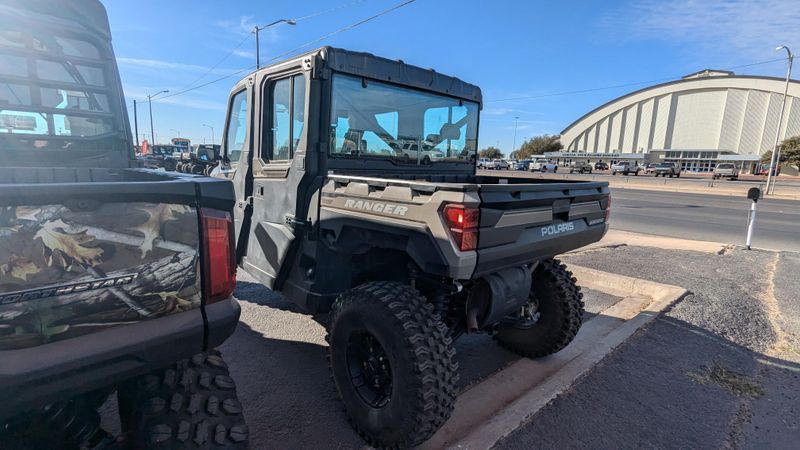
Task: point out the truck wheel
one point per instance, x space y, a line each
393 363
191 404
552 317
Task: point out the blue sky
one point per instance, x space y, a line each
525 55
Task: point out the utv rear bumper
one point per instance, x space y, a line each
33 377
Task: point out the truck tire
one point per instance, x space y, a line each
559 303
189 405
412 386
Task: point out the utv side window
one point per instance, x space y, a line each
237 126
287 117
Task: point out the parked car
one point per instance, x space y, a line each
543 165
116 281
600 165
650 168
406 262
726 170
668 168
521 165
486 164
580 167
625 168
411 152
500 164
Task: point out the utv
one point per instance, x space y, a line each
407 254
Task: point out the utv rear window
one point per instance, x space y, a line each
375 119
52 84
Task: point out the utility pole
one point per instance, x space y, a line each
150 102
776 151
256 29
212 133
136 124
514 147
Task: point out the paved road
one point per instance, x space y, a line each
706 217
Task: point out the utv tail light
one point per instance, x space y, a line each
219 266
608 208
463 225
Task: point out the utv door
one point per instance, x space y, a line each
237 148
278 173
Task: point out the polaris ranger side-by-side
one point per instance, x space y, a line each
407 254
113 278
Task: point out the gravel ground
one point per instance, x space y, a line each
725 288
702 375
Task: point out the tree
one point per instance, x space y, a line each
491 153
538 145
790 152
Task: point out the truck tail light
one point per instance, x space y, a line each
608 208
219 267
463 225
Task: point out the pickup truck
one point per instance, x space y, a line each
670 169
625 168
543 165
404 256
726 170
487 164
580 167
114 279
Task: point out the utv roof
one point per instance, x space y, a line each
394 71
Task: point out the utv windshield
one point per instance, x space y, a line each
380 120
54 82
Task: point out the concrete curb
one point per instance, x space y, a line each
495 407
616 238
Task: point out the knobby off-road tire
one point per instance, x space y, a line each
190 405
406 344
560 304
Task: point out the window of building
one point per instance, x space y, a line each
288 99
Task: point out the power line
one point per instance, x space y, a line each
340 30
335 8
224 58
248 35
616 86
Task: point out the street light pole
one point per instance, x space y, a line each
776 150
212 133
136 124
150 103
514 147
256 29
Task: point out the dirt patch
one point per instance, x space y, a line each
733 382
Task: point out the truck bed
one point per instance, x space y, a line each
520 221
83 250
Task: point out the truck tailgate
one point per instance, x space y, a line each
524 222
82 256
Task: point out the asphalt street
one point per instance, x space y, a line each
716 218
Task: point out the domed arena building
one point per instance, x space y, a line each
701 120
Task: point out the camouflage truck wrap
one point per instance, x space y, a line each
66 272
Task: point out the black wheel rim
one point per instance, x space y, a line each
370 371
528 316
